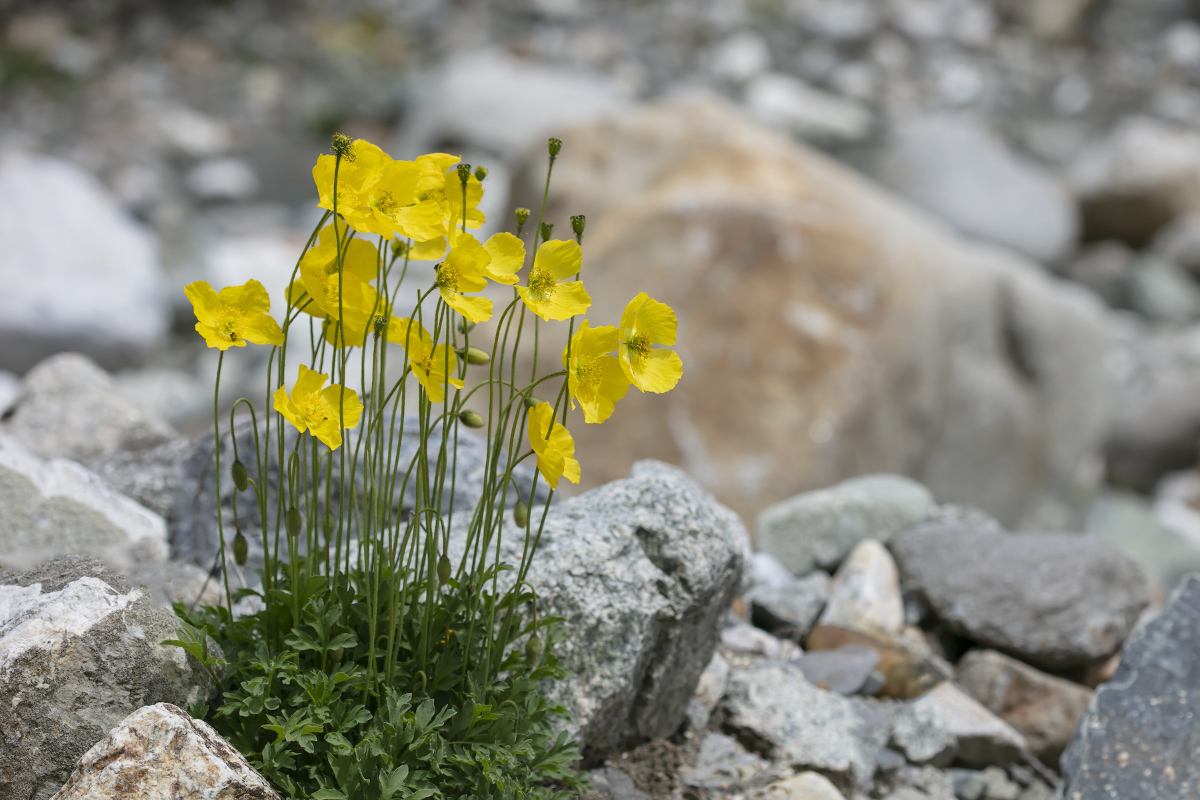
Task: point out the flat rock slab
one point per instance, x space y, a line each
947 725
1140 737
159 751
1055 600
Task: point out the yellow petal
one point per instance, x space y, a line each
658 372
562 258
431 250
658 320
308 383
204 300
261 329
214 338
249 298
567 300
476 309
508 256
420 222
284 405
351 406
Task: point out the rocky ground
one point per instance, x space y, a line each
937 269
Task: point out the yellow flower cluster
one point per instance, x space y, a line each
431 201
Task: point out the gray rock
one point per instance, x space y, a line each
162 751
921 783
612 782
643 571
790 610
1128 522
805 786
222 178
1179 242
79 652
1163 292
1055 600
92 285
709 691
789 103
865 593
941 162
947 725
1139 737
723 764
969 784
770 707
1044 709
747 639
69 408
1105 268
768 572
845 670
819 529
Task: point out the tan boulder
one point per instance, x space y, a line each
827 329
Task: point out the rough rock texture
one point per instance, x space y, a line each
1044 709
69 408
79 652
158 752
894 346
643 570
908 666
92 285
709 691
820 528
1140 737
941 162
56 507
1055 600
947 725
773 710
805 786
865 594
789 610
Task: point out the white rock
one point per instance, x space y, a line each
769 572
84 276
740 57
805 786
979 737
790 103
193 133
744 638
222 179
165 753
865 595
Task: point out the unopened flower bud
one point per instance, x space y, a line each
465 326
294 523
464 173
240 479
481 173
329 525
547 229
521 514
578 223
471 419
522 216
555 147
380 325
533 650
399 248
240 549
474 355
343 146
530 401
443 570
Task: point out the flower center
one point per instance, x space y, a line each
447 277
588 370
314 412
386 204
230 322
436 195
541 285
639 344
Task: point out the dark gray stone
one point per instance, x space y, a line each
1140 737
791 609
1055 600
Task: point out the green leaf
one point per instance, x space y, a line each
391 782
329 794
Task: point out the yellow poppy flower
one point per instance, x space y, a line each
319 274
237 315
430 364
547 295
312 409
507 254
595 378
644 323
393 199
358 322
555 451
463 271
353 178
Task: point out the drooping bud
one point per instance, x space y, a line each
294 523
329 525
578 223
530 401
471 419
399 248
240 479
547 229
465 326
443 570
474 355
555 147
481 173
521 514
533 650
464 173
343 146
240 549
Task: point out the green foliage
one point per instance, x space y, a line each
301 701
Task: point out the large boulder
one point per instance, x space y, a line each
79 651
827 329
1139 736
85 277
643 571
162 751
1055 600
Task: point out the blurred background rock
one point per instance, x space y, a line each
953 239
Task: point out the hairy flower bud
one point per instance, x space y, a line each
294 523
554 146
522 216
465 326
240 549
399 248
530 401
578 223
471 418
481 173
443 570
521 514
474 355
464 173
343 146
533 650
547 229
380 325
240 479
